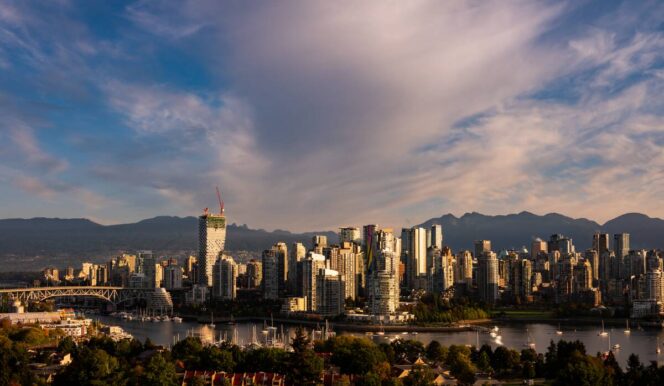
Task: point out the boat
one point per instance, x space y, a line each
211 325
616 346
627 329
493 334
495 329
529 343
176 319
603 333
657 349
231 322
559 331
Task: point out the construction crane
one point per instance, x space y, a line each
221 203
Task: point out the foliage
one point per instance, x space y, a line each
431 309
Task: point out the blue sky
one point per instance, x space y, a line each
313 115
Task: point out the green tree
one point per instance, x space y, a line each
67 345
635 370
305 366
214 358
436 352
484 362
581 370
159 372
355 355
419 376
189 352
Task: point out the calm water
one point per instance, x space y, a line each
514 336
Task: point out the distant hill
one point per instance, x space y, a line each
38 242
516 230
82 237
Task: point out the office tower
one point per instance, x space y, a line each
621 245
350 234
442 270
310 267
436 236
297 253
538 246
487 277
383 283
281 251
601 243
329 292
520 281
254 274
481 246
224 282
172 277
102 274
417 255
148 267
635 262
464 268
606 264
211 243
270 274
653 261
654 285
319 241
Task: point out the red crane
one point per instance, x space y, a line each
221 202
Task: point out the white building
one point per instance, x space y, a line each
211 243
224 282
329 293
310 267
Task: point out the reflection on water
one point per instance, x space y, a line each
516 336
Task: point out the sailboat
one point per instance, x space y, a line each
211 325
657 349
559 331
603 333
231 322
627 329
529 343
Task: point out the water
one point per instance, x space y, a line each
514 336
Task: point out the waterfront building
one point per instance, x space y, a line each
654 285
270 275
347 267
487 277
211 243
224 282
310 267
621 245
329 293
350 234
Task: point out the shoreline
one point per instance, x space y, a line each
461 326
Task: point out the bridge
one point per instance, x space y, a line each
113 295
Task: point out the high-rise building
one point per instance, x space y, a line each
254 274
310 267
464 268
224 282
538 246
481 246
297 253
593 258
329 292
347 268
487 277
211 244
436 236
654 285
601 243
417 258
172 277
319 241
282 265
350 234
621 245
270 274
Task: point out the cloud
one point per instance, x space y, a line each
319 114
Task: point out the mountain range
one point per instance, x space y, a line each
60 240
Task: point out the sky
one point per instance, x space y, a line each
311 115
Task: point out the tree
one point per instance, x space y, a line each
188 351
419 376
484 363
159 372
635 370
305 366
67 345
436 352
581 370
214 358
355 355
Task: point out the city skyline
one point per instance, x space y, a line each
313 116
